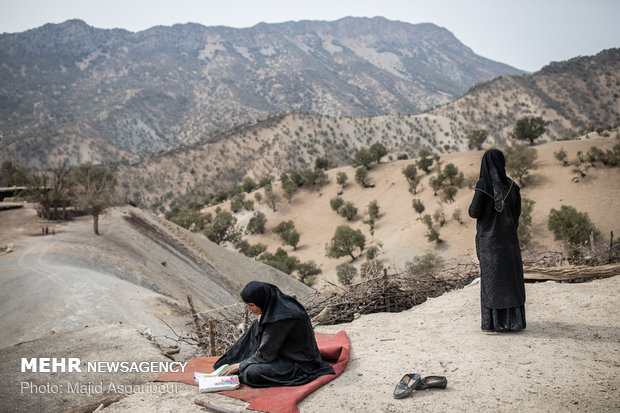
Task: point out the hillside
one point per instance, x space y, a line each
138 272
73 92
400 233
575 96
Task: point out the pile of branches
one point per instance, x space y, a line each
388 293
213 331
591 254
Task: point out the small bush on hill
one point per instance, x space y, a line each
428 264
345 273
570 225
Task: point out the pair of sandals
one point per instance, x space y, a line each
413 381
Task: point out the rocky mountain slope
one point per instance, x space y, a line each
575 96
71 91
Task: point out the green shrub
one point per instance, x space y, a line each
307 272
348 211
345 273
428 264
336 203
256 224
570 225
525 221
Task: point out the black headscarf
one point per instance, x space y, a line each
276 305
493 180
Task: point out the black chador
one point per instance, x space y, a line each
279 349
496 206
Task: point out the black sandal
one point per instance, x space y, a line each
433 382
407 385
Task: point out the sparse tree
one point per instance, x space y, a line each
378 151
570 225
94 189
224 229
410 171
561 156
363 157
307 272
373 215
256 224
424 162
283 227
187 218
450 171
449 193
595 154
530 128
336 203
255 250
372 252
411 174
323 163
525 221
291 238
428 264
341 179
361 175
418 205
288 190
280 260
52 190
476 138
345 273
433 236
520 161
456 215
439 216
271 197
236 203
428 220
436 183
348 211
13 174
248 184
373 209
346 241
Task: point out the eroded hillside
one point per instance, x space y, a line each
401 234
575 96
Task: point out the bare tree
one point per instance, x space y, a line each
94 189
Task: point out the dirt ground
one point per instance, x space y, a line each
567 360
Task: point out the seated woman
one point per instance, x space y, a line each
279 349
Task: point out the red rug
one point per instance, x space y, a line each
334 348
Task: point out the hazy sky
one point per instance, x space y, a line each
526 34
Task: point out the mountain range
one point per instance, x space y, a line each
575 96
72 92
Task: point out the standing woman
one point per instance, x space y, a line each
279 349
497 206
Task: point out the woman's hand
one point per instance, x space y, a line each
232 369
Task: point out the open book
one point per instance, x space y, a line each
209 382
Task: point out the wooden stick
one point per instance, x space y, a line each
211 338
577 272
199 330
215 408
